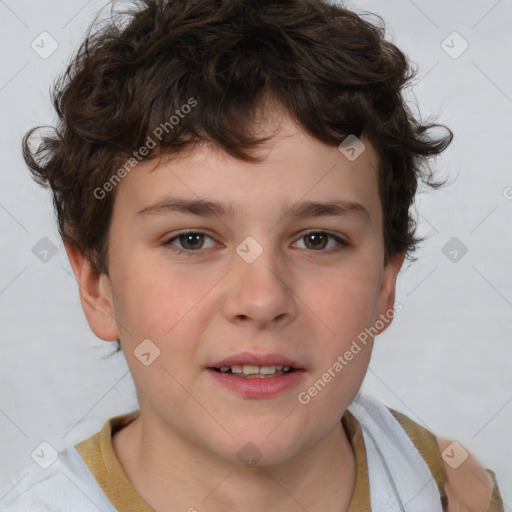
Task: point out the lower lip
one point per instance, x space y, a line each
258 387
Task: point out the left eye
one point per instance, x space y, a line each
318 239
193 241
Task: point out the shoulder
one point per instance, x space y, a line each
463 483
66 484
426 444
28 488
24 503
469 485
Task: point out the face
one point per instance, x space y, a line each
265 278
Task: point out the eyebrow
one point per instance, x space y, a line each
303 209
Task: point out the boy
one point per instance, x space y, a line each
232 182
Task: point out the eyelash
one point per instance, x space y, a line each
168 243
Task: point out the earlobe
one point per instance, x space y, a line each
95 295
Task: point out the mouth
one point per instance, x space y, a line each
256 366
251 375
249 371
251 381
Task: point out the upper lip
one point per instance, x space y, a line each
272 359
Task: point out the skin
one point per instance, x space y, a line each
308 304
469 486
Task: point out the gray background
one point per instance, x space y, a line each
446 359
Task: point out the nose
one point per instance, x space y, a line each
260 292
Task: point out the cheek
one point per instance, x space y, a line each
348 306
157 303
348 299
163 309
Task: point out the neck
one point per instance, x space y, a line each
167 475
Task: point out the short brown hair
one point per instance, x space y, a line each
332 71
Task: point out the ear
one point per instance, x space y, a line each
387 292
95 295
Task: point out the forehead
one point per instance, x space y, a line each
294 166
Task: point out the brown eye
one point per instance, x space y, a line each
319 240
316 240
191 241
188 242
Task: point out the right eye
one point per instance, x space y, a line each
190 241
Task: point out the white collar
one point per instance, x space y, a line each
399 477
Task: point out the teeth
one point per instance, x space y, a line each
249 369
267 370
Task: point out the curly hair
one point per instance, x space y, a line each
332 71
